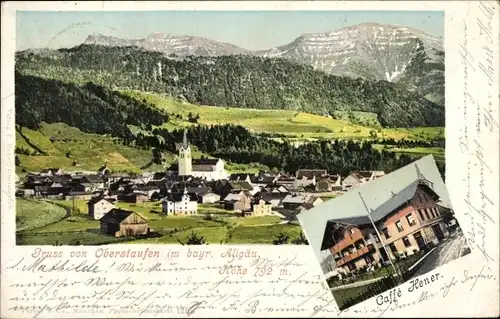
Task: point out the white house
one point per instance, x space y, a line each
209 198
98 207
180 204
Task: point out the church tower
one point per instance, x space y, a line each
185 161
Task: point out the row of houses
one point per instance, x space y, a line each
53 181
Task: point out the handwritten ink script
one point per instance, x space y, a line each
190 282
479 128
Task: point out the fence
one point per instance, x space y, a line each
369 291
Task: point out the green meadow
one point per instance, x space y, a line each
54 227
298 124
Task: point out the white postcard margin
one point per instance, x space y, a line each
282 281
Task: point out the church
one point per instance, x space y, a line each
207 168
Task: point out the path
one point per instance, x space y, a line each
449 249
356 284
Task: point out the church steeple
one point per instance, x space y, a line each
185 140
185 165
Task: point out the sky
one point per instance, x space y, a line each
253 30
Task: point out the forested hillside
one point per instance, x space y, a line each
233 81
236 144
91 108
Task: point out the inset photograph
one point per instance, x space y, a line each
385 232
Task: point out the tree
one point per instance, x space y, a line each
194 239
17 161
281 239
301 240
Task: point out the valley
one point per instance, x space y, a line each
186 136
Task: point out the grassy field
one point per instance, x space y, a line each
90 151
437 152
225 227
303 125
36 213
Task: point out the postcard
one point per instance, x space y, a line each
249 159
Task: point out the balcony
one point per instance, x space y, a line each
348 240
356 254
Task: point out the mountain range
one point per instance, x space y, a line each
372 51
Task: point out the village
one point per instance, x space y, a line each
190 188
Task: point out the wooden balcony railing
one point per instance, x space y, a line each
358 253
346 242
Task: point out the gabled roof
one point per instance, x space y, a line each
177 197
117 215
365 174
173 167
199 190
206 161
94 178
239 177
296 199
135 194
256 201
310 173
241 185
203 168
263 178
378 196
159 175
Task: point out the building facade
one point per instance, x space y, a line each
98 207
180 204
206 168
119 223
414 225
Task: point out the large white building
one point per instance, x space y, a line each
207 168
180 204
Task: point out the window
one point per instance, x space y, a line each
393 248
420 214
399 226
377 239
427 214
430 212
351 230
410 220
386 233
406 241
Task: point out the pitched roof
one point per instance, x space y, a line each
296 199
203 168
377 194
94 178
265 178
242 185
241 177
177 197
117 215
205 161
173 167
159 175
199 190
365 174
310 173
